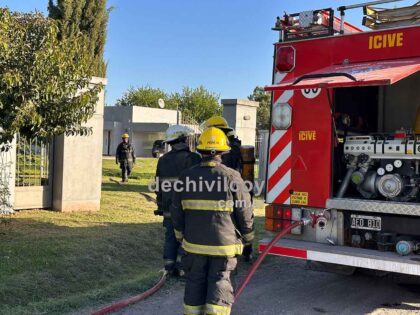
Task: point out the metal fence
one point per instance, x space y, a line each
32 162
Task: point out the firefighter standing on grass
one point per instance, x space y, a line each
126 157
168 169
213 223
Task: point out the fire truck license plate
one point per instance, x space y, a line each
365 222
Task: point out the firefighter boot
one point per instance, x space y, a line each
247 252
169 266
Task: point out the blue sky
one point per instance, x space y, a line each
224 45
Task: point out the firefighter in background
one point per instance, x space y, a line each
126 157
213 223
231 159
169 166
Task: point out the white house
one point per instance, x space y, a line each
143 124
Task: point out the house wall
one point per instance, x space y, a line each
143 124
78 165
143 142
154 115
242 116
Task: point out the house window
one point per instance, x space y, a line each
32 162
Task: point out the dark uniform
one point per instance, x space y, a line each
232 159
169 168
126 157
213 223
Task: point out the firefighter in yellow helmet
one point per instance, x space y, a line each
213 222
231 159
126 157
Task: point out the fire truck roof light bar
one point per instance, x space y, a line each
360 5
324 75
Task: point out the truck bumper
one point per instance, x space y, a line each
347 256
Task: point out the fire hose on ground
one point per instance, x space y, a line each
244 283
134 299
261 257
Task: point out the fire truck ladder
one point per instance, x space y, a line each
379 18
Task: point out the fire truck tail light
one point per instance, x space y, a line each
278 218
273 212
287 214
269 211
273 225
285 59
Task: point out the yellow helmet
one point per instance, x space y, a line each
218 122
125 136
213 140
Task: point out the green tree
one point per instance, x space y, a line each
44 82
145 96
89 17
263 111
196 103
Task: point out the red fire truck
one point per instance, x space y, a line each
344 146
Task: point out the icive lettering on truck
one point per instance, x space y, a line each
389 40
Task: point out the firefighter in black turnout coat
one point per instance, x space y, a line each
231 159
126 157
168 169
213 221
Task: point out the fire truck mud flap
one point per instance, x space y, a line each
346 256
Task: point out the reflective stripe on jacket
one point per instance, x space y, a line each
169 167
215 218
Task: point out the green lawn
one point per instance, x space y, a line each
72 263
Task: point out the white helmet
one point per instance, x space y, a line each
177 131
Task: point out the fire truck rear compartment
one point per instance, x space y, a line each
373 110
377 112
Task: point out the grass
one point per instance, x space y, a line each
72 263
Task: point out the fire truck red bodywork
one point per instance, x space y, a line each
300 158
310 160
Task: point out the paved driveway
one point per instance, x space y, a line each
285 286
